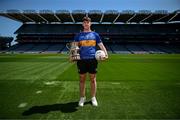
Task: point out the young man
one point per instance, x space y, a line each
87 41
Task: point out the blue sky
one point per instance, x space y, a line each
7 26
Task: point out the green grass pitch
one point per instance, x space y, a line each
46 86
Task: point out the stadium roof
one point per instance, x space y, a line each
110 16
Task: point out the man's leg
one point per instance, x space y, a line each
93 84
93 89
82 84
82 89
82 75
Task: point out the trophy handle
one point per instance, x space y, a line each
68 46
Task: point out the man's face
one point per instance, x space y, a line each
86 25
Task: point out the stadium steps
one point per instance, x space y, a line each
54 48
113 48
165 49
136 49
14 47
24 48
152 49
175 48
128 49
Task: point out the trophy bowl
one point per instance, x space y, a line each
73 51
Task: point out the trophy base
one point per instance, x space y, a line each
74 58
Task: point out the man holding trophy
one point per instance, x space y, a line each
83 51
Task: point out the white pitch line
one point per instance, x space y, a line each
115 83
38 92
22 105
49 83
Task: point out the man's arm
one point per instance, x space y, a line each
101 45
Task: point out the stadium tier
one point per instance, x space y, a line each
122 32
5 42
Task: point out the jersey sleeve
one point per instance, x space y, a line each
98 38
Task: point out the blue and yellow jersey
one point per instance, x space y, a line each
87 43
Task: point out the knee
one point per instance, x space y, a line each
82 78
93 79
82 81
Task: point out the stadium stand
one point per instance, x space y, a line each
135 49
126 32
5 42
55 48
20 48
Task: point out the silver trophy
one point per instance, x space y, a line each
73 51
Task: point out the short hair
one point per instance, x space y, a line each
86 19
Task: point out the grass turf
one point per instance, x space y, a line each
46 86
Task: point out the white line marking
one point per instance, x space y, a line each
22 105
115 83
38 92
49 83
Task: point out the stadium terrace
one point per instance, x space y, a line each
124 31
